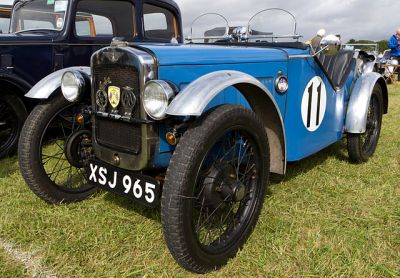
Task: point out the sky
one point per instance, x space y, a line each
358 19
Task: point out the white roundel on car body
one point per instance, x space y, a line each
313 105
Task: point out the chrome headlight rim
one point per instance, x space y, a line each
168 94
282 84
72 85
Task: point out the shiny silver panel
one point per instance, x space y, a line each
369 67
357 111
193 100
48 85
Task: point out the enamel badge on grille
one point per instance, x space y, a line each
114 96
101 95
128 100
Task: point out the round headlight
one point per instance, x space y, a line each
72 85
156 98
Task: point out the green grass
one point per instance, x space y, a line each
327 218
9 267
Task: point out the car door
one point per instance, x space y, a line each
314 111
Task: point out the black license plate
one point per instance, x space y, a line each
137 187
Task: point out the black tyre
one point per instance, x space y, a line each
215 187
362 146
12 117
53 151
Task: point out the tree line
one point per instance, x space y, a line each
382 45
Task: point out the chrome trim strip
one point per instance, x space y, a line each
297 57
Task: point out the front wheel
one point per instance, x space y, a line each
362 146
53 152
214 188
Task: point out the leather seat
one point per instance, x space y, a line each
339 66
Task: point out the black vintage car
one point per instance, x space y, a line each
49 35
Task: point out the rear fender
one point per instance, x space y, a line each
357 110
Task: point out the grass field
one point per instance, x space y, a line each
327 218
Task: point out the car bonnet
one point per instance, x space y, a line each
196 54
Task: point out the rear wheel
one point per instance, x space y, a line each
362 146
53 152
214 188
12 117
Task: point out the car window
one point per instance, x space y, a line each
4 23
159 23
82 27
103 25
93 25
106 18
155 21
39 14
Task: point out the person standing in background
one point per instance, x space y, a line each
316 41
394 45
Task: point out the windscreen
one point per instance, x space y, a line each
39 15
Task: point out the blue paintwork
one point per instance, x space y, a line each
182 64
301 142
178 55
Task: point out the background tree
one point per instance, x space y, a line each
382 45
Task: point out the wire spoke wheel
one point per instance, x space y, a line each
54 151
214 187
370 136
362 146
224 190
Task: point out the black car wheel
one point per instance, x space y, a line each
12 117
53 152
362 146
214 188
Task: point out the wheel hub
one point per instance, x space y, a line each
221 187
239 191
78 148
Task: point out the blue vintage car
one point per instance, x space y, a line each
198 128
48 35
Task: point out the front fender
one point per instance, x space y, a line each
357 111
194 99
48 85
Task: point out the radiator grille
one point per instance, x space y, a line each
117 134
112 133
120 76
